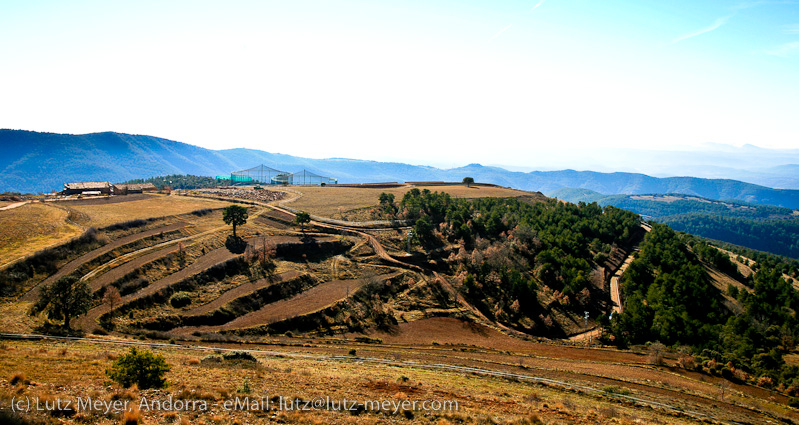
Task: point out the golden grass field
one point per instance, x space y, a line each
330 201
31 227
156 206
66 371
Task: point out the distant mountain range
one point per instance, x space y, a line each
42 162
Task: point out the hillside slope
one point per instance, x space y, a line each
39 162
765 228
35 162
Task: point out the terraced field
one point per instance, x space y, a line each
322 293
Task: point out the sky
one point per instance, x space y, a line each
445 83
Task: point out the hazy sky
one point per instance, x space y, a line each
440 82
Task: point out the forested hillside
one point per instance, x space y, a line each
527 265
761 227
741 335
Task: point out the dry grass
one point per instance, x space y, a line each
330 201
15 317
156 206
32 227
479 398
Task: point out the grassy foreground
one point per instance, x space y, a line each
203 388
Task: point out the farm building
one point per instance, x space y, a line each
260 174
267 175
123 189
88 188
307 177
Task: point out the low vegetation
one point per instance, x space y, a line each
141 368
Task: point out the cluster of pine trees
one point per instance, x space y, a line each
510 250
182 181
670 299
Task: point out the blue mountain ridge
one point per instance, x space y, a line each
33 162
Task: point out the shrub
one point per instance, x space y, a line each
239 355
142 368
353 352
765 382
244 388
612 389
180 299
656 352
132 417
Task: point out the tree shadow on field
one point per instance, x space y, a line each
48 328
235 244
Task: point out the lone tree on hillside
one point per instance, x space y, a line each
235 215
468 181
68 297
112 297
301 219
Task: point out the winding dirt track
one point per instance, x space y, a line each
615 291
15 205
75 264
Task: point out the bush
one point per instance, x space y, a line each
239 355
142 368
180 299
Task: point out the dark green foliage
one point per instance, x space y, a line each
512 248
681 305
468 181
180 299
183 181
762 227
65 299
239 356
670 299
202 212
125 225
301 219
423 230
235 244
778 236
235 215
387 206
140 367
